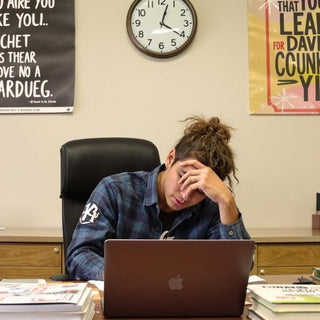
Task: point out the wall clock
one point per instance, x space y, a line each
161 28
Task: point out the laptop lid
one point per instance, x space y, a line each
176 278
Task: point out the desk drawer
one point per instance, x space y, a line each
262 271
288 255
29 272
30 255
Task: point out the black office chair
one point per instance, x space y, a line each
85 162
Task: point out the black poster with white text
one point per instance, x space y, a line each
37 49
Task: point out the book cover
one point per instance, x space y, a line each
260 312
287 298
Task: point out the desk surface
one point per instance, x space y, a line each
99 315
271 235
31 235
259 235
279 279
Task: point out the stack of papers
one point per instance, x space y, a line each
71 301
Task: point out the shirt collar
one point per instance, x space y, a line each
151 195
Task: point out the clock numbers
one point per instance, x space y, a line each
161 26
141 12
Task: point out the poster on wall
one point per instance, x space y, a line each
37 48
284 56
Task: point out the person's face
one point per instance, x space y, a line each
176 199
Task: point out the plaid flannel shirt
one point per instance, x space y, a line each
125 206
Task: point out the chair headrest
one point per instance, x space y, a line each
85 162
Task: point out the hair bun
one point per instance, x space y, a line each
217 129
207 141
212 127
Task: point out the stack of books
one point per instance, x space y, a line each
285 302
70 301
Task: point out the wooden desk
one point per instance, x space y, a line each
288 278
38 252
285 250
99 313
31 252
277 279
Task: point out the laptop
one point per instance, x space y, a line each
176 278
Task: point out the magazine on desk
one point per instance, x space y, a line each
88 314
49 297
287 298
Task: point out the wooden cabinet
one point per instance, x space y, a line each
30 253
286 251
295 258
38 253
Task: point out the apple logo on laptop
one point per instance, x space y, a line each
175 283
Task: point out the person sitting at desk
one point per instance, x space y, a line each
185 198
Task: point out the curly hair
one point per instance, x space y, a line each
208 142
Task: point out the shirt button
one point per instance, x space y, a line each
230 233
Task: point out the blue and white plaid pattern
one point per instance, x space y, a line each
124 206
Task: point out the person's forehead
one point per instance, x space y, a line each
183 169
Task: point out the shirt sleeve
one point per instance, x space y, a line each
235 230
85 255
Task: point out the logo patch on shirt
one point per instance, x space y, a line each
90 214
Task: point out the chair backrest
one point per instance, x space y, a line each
85 162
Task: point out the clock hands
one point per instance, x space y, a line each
165 25
168 27
164 15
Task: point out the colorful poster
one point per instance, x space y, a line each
37 49
284 56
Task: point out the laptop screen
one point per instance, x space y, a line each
176 278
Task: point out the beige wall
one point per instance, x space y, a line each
120 92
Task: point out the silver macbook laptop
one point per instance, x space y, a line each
176 278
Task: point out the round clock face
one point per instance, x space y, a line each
161 28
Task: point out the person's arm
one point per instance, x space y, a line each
235 230
218 230
85 254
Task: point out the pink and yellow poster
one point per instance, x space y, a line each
284 56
